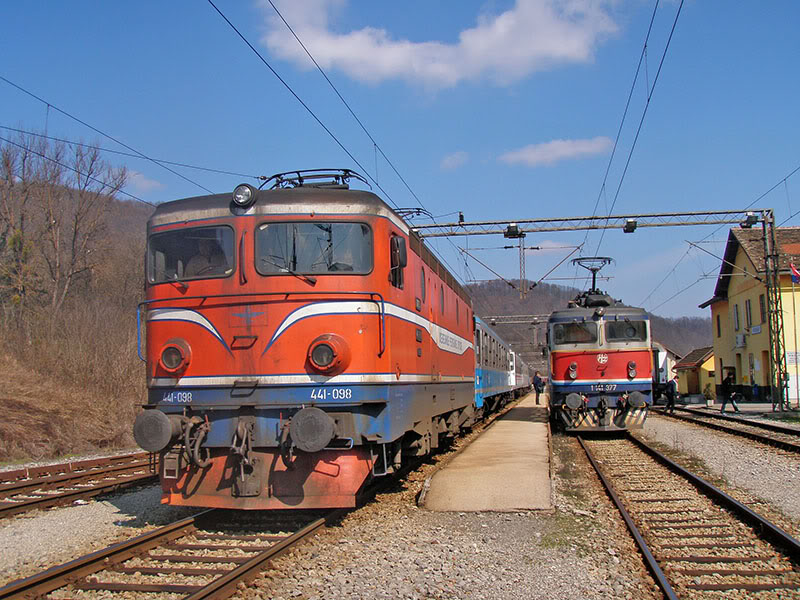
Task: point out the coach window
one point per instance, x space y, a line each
195 253
422 283
317 248
441 299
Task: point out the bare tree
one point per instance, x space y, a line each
21 170
73 208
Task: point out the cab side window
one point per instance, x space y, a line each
398 262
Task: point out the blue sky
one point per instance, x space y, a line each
503 109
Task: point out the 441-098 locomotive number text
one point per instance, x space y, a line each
177 397
331 394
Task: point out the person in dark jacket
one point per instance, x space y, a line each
727 393
538 385
672 393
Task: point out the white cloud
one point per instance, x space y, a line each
549 153
142 184
533 35
454 160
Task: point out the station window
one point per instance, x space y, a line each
736 317
748 314
762 307
719 327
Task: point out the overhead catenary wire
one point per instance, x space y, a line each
375 144
642 57
319 121
706 238
301 101
60 164
96 130
641 121
130 154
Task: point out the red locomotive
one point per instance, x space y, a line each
601 361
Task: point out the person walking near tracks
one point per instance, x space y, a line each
728 395
538 385
672 393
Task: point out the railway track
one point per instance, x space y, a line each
779 436
698 541
206 556
55 485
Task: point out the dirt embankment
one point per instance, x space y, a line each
44 419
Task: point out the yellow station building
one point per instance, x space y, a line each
739 313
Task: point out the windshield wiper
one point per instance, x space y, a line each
307 278
181 285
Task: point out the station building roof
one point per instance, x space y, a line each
695 358
751 241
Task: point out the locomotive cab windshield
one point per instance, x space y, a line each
313 248
196 253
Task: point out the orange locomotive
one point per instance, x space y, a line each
300 340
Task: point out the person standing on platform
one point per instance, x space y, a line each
538 385
672 393
728 395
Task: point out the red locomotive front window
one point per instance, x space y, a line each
316 248
196 253
577 332
626 331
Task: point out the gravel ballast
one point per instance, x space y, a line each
36 540
767 473
390 548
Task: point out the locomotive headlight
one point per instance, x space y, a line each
322 355
244 195
328 354
175 355
573 370
631 369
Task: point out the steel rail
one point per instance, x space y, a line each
224 585
73 478
9 508
45 582
764 439
650 560
775 427
769 530
761 526
68 467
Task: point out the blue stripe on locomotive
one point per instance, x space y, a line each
381 412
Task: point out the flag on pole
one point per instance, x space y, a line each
795 273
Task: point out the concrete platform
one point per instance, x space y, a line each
506 469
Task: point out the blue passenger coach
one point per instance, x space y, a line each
496 366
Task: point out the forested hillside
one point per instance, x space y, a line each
70 279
